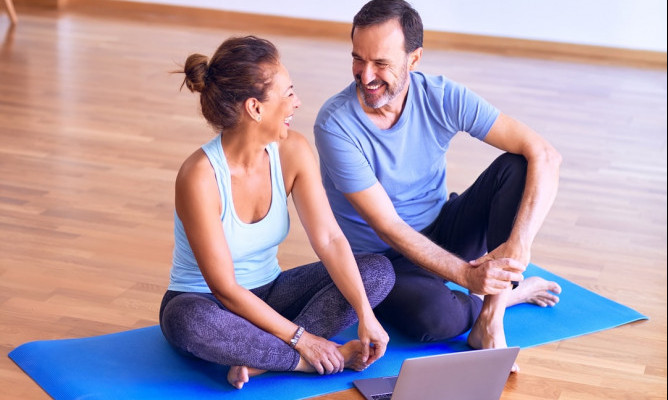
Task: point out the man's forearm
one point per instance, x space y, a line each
424 253
540 190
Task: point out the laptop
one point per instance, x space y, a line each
466 375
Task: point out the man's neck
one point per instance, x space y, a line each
386 116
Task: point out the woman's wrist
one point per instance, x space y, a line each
364 311
295 338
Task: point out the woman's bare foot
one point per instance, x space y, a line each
535 290
352 355
352 358
238 375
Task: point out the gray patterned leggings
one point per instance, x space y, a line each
198 324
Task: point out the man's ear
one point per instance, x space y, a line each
253 108
414 58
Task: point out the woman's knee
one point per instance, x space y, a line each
377 275
183 318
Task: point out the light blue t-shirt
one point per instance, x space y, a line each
253 246
408 159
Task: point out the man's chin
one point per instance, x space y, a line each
374 102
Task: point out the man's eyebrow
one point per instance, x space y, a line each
380 60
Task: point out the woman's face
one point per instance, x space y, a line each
281 104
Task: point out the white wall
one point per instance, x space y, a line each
628 24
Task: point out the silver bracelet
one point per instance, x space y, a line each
295 338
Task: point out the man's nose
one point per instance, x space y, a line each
367 74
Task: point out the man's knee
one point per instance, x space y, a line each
514 164
430 314
434 325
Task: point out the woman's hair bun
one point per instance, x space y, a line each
196 69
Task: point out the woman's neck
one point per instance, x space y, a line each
242 149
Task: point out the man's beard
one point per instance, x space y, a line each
389 94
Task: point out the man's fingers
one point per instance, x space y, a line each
514 266
477 262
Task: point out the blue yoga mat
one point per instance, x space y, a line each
140 364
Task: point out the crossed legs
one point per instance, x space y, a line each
199 325
469 225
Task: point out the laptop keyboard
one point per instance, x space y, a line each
382 396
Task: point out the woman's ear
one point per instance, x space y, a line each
254 108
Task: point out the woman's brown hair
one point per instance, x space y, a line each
241 68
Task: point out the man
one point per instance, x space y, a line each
382 143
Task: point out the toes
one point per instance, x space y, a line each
539 303
552 300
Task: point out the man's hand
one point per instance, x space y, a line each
321 353
509 250
492 276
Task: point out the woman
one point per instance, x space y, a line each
228 300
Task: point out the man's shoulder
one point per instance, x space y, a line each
337 107
431 84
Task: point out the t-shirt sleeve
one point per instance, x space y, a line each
343 161
468 111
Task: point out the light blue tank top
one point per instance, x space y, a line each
253 246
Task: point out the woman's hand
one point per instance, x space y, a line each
374 339
321 353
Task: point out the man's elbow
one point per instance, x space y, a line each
548 157
555 158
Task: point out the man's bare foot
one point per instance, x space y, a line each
238 375
488 333
535 290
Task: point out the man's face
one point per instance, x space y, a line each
380 64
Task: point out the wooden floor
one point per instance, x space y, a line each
93 128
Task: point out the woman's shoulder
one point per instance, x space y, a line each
296 157
293 145
196 169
